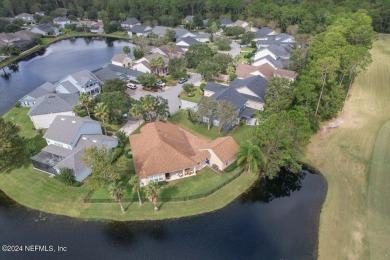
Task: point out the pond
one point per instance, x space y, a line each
275 220
55 62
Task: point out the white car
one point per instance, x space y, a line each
160 84
131 86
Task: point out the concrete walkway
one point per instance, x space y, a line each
131 126
187 104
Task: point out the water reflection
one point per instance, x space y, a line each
267 190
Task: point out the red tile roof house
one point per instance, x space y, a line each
166 152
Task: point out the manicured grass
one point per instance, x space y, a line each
240 133
198 95
181 119
204 182
113 127
378 196
247 49
37 190
171 81
354 223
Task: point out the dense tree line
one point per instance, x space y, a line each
307 15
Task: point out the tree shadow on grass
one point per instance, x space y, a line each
22 160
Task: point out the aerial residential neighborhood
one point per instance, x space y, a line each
194 129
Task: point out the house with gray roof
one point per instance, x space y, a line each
202 37
139 30
47 107
182 33
226 23
112 71
31 98
186 42
275 55
27 18
129 23
160 31
247 95
45 30
189 18
61 22
67 138
82 81
265 33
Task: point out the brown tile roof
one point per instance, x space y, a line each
286 73
224 147
164 147
245 71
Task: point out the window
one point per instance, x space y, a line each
205 119
216 122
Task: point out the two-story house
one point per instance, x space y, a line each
67 138
82 81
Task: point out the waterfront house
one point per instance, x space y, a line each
47 107
122 59
170 53
46 30
144 66
67 138
82 81
129 23
139 30
31 98
112 71
166 152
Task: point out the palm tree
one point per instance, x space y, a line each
126 50
171 48
136 112
116 191
152 194
250 156
147 103
157 63
134 181
85 100
102 113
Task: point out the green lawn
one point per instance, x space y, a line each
240 133
198 95
181 119
354 158
204 182
37 190
247 49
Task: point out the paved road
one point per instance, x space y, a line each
171 93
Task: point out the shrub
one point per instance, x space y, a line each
30 149
231 167
188 88
18 104
67 177
116 152
253 44
128 154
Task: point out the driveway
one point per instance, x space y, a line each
171 93
234 51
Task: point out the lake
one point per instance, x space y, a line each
276 219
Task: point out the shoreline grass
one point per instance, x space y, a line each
36 190
345 156
47 41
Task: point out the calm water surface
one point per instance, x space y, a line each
276 220
54 63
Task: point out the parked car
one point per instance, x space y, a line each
160 84
182 80
131 86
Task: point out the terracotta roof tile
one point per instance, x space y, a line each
164 147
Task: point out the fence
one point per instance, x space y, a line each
88 198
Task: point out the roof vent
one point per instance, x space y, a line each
74 122
94 141
63 119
